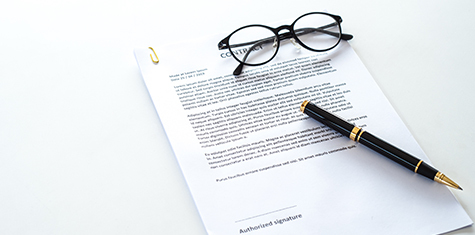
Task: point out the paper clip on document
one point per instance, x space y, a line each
154 61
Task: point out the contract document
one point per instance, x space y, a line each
256 165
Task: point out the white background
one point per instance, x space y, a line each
82 150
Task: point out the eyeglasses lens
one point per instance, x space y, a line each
253 45
318 31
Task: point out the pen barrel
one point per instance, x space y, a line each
327 118
357 134
403 158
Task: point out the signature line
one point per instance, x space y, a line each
286 208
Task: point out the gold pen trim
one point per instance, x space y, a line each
417 167
441 178
358 138
303 105
354 132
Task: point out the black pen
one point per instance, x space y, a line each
384 148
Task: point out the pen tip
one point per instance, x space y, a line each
441 178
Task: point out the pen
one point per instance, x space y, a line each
384 148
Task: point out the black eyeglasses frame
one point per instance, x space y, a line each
224 43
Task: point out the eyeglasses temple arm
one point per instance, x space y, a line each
322 30
239 68
223 45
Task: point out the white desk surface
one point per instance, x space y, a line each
82 150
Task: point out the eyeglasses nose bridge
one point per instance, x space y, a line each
285 35
282 27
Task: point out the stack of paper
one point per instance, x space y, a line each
256 165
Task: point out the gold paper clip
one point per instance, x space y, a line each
154 61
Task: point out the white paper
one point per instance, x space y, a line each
256 165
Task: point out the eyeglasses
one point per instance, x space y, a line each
255 45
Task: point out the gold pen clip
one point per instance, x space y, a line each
154 61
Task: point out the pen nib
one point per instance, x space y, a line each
441 178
